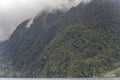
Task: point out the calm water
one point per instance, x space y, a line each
60 79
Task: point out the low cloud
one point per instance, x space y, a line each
13 12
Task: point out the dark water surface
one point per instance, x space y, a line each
117 78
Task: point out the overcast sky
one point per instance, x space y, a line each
13 12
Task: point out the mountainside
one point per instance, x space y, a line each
83 42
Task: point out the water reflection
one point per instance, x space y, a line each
60 78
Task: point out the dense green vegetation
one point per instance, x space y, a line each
83 42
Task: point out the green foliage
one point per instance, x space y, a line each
84 42
77 52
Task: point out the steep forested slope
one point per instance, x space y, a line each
83 42
16 49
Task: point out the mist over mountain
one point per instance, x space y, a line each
13 12
75 41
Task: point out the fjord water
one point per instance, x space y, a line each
115 78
